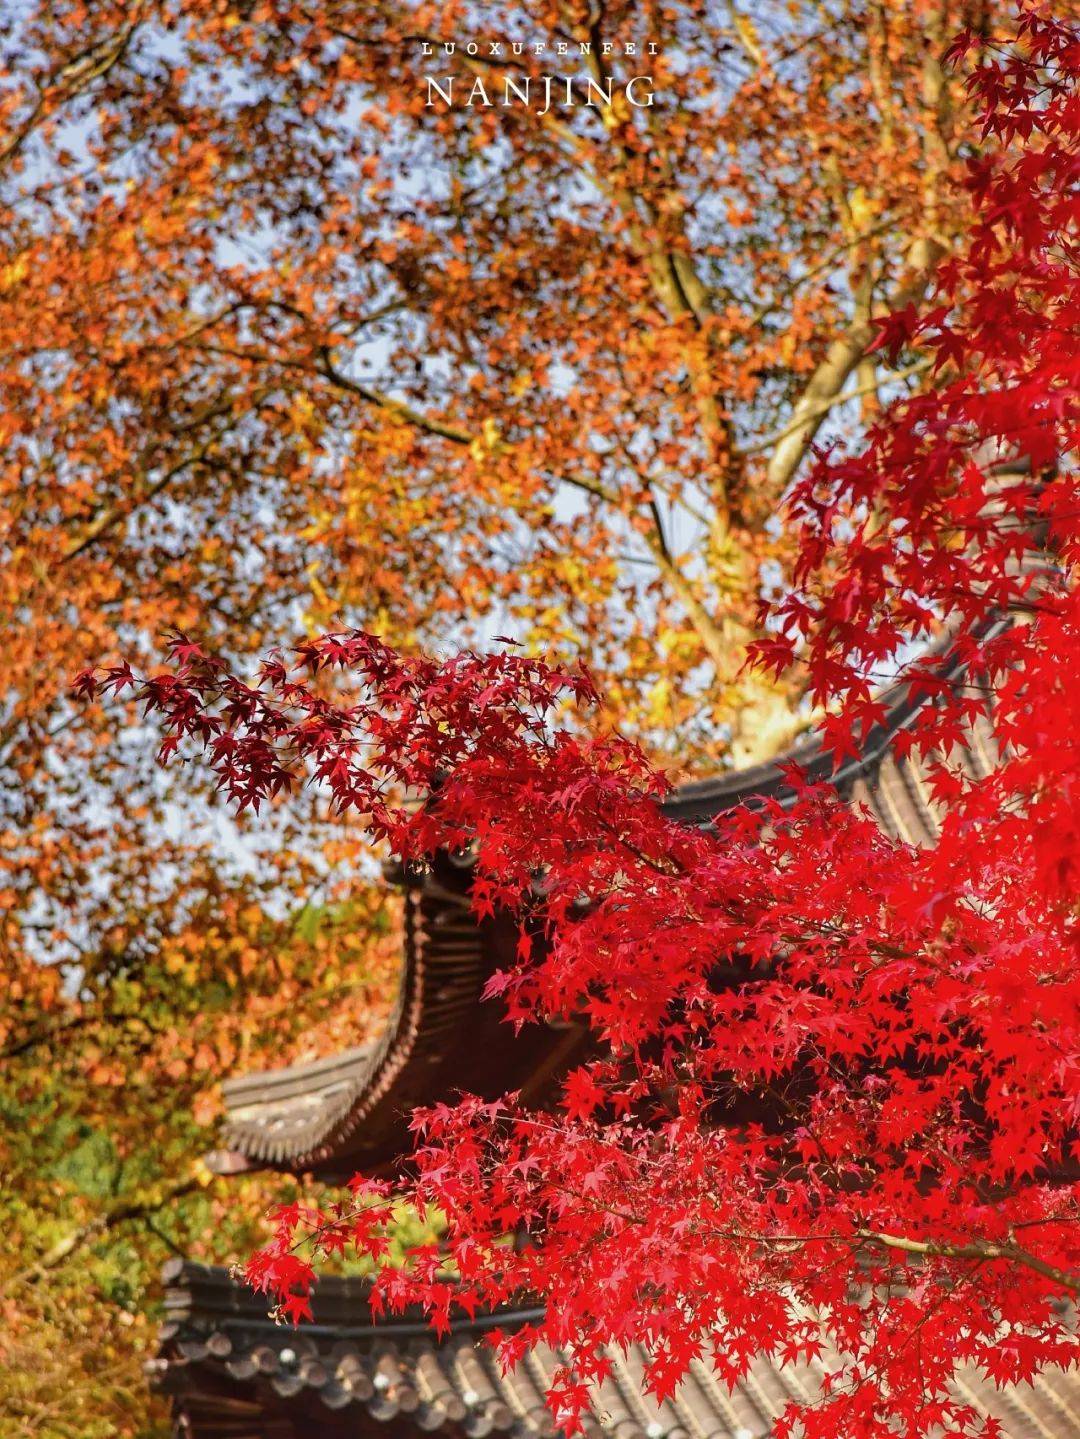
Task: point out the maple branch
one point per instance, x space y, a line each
721 649
45 1035
457 434
398 408
984 1251
823 266
76 74
747 37
841 360
917 368
112 514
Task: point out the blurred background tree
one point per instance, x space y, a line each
107 1097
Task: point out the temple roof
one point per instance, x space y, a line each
234 1374
333 1115
351 1111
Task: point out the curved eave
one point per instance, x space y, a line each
350 1111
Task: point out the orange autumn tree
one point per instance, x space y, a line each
281 333
284 344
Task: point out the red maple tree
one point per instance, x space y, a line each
834 1110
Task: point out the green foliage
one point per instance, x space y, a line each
106 1108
